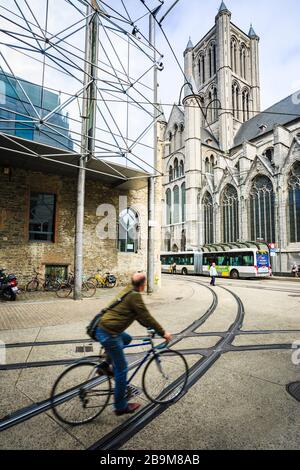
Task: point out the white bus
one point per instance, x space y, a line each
234 263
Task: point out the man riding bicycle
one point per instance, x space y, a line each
111 334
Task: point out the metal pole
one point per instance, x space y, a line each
151 180
88 134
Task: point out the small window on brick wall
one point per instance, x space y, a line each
42 217
55 271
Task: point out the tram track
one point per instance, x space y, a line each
121 434
26 413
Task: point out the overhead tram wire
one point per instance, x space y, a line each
186 82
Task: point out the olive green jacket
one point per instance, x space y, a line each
132 307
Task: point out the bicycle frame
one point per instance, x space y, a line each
150 352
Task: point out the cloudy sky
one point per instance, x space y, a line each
276 22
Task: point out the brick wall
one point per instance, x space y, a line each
21 256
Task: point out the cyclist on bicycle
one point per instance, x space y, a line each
111 334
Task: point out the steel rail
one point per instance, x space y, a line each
120 435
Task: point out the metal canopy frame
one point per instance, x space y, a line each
27 30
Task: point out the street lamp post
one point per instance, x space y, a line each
151 181
88 133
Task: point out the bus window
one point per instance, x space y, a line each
223 260
235 260
247 259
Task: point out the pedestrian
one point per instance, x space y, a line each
174 268
110 332
213 274
295 270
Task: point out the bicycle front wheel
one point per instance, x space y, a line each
88 289
80 394
165 377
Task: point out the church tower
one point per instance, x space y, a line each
225 67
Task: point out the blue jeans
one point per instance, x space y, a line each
113 345
213 281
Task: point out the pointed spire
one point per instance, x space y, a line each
252 33
223 7
162 117
189 44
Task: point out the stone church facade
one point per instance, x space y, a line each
231 172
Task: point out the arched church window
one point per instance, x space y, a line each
210 62
209 108
262 209
129 230
230 214
245 105
214 59
234 55
176 205
176 169
168 207
183 202
170 174
203 67
213 107
208 215
236 100
181 168
243 61
212 164
207 166
294 203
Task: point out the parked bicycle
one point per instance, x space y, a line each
47 284
106 280
83 390
66 287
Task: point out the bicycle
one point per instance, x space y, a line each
108 280
65 288
82 392
49 284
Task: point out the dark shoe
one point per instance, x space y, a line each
105 368
131 408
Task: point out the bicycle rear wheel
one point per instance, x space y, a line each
88 289
165 377
64 290
80 394
32 286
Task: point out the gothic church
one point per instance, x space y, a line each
231 173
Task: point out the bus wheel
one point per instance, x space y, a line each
184 272
234 274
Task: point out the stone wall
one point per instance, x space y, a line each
21 256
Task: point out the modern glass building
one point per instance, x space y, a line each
21 104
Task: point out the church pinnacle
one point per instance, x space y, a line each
223 7
252 33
